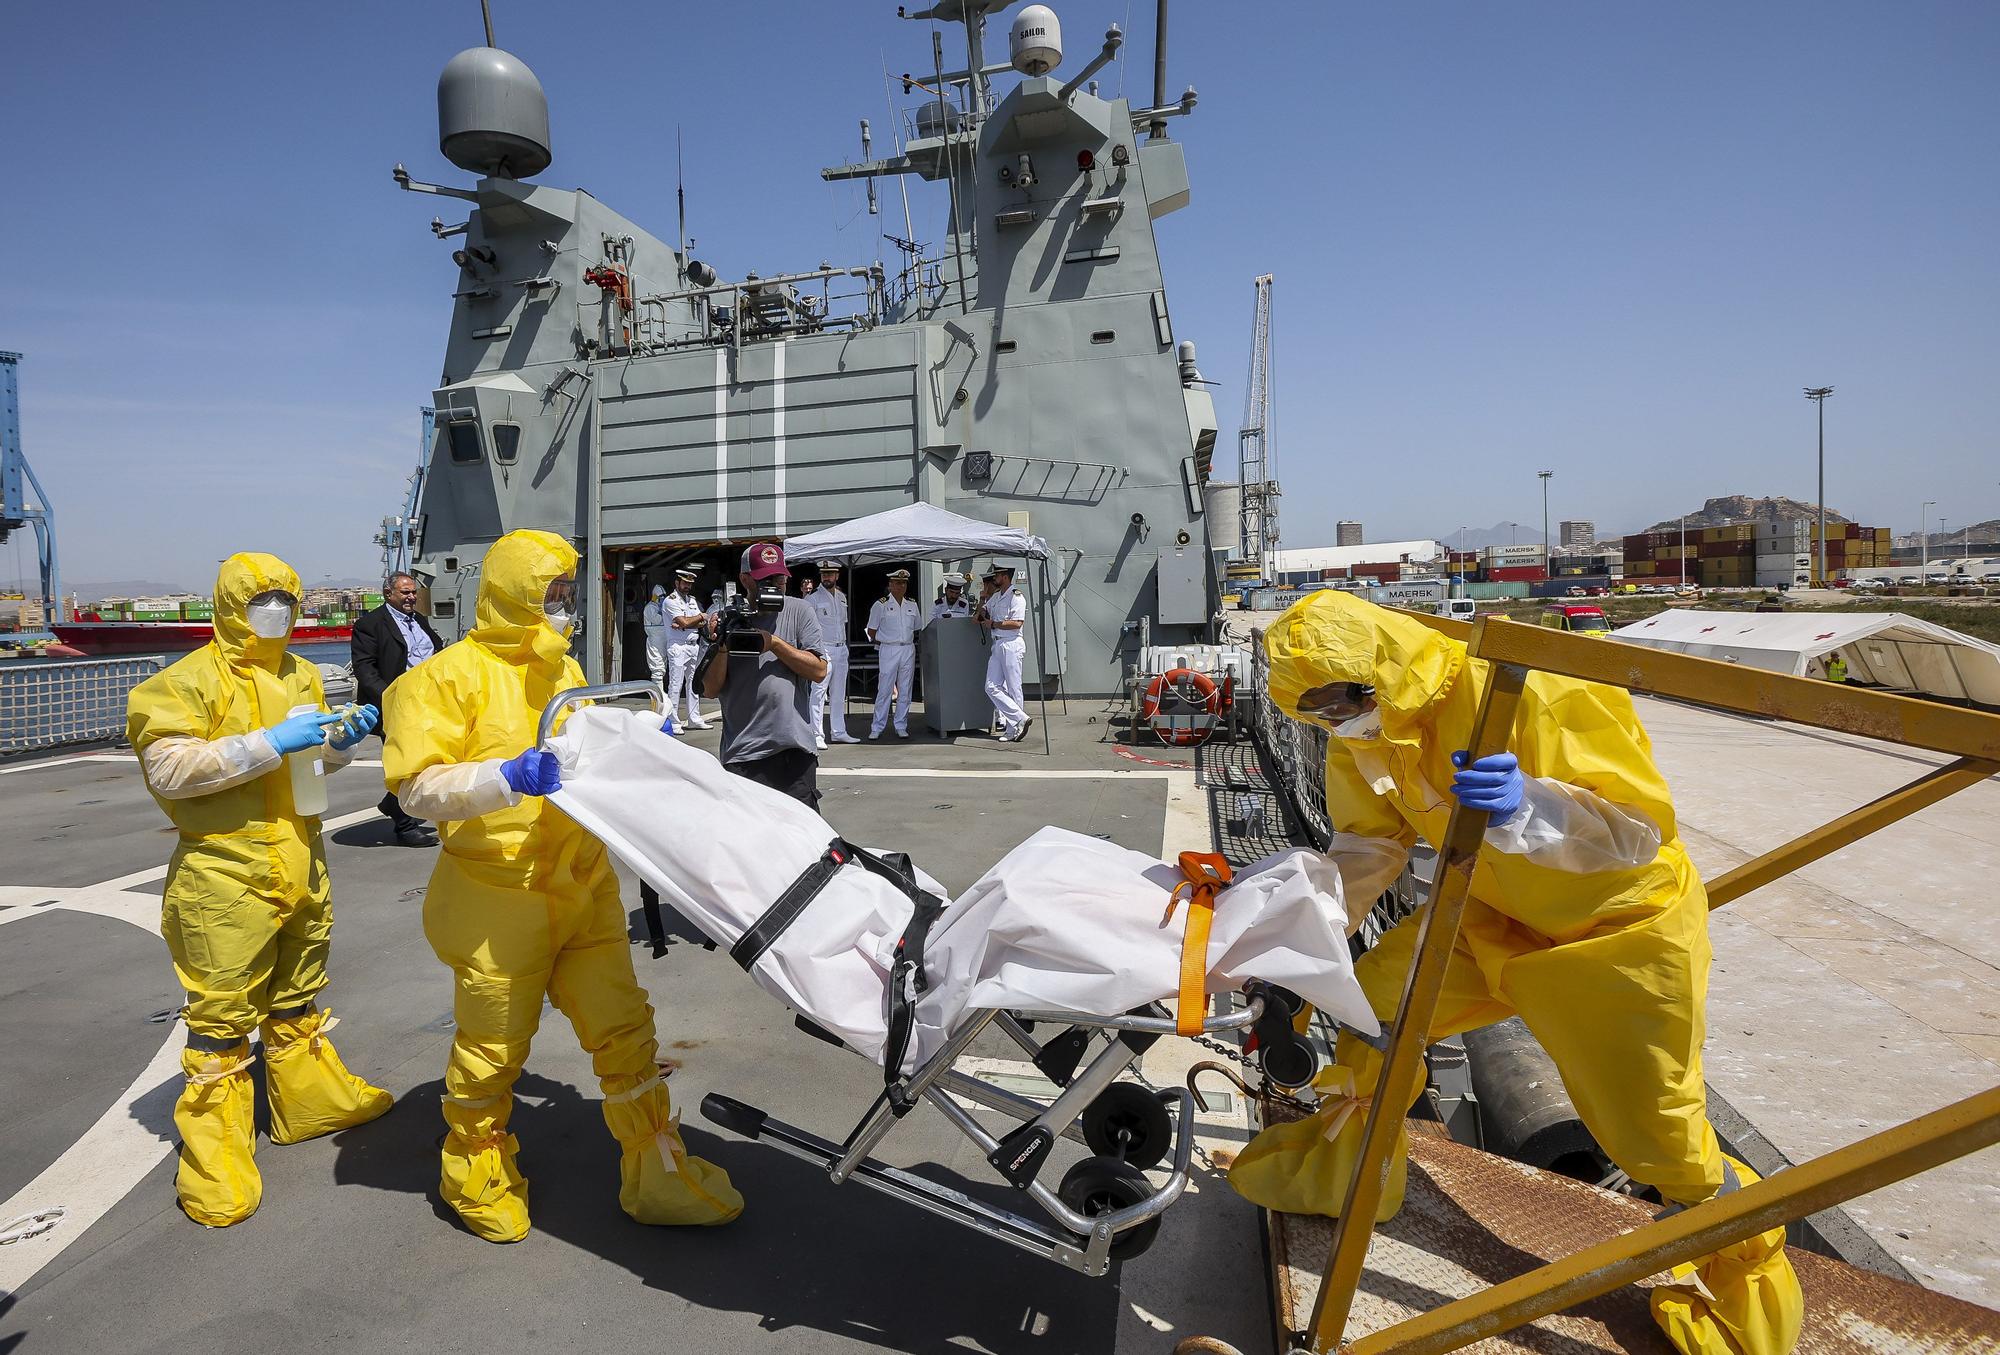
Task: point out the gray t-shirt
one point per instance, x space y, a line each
766 707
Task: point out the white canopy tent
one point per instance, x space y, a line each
1882 649
924 531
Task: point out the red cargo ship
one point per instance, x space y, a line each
91 634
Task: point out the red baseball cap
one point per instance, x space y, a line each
765 561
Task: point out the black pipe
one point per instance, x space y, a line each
1159 128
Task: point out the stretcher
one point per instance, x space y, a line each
871 955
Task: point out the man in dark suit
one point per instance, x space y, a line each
388 642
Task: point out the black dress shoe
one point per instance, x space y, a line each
416 837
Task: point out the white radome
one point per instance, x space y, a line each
1034 43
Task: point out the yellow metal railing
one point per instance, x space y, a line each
1514 651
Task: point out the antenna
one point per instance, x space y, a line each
680 200
486 13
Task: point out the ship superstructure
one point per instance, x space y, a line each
1025 370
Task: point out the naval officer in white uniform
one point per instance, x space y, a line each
893 624
1004 615
954 602
684 618
829 696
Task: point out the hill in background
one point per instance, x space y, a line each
1734 508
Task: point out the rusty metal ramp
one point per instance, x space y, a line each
1471 1220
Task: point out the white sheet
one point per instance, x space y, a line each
1062 922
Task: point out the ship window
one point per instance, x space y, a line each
1005 346
445 608
1104 336
506 442
465 448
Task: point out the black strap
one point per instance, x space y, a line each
765 931
907 979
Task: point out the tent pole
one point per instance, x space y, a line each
1062 684
1042 653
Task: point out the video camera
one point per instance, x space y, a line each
736 629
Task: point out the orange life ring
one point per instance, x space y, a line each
1193 693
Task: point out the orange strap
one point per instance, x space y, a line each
1205 873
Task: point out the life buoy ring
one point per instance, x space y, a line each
1175 696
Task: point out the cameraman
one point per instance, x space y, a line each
766 655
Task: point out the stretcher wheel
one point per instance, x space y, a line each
1099 1185
1130 1123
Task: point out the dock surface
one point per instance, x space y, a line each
351 1245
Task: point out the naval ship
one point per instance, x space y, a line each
1024 370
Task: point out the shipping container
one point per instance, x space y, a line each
1517 574
1738 531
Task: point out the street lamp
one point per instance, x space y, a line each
1544 476
1818 394
1924 540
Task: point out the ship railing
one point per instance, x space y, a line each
49 704
1512 651
654 328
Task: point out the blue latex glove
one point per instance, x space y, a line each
533 772
669 726
356 727
1494 783
299 732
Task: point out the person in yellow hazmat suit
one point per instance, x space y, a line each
246 915
1585 918
523 903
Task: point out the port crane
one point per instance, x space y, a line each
1259 520
16 478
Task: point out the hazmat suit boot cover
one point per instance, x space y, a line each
312 1093
1305 1166
478 1176
217 1180
660 1182
1742 1300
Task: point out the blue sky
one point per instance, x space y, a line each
1611 240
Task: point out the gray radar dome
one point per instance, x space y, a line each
492 115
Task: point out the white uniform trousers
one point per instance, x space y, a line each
829 695
1003 684
680 680
898 675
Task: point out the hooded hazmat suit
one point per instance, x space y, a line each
245 914
1585 918
523 904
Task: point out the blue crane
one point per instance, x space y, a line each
16 476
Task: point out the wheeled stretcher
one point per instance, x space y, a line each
1082 953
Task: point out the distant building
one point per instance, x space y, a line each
1576 535
1378 560
1346 533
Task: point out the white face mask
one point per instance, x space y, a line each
559 618
269 620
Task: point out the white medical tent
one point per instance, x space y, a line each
924 531
1882 649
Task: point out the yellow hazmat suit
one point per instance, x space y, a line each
523 904
1585 918
245 916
